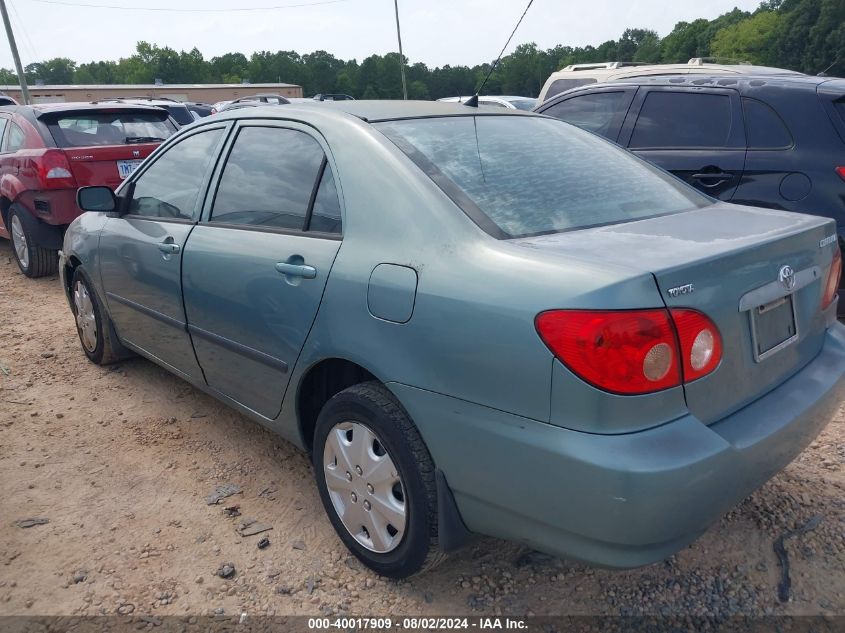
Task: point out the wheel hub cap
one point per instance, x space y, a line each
364 486
19 242
86 322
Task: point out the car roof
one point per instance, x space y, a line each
374 111
75 106
719 80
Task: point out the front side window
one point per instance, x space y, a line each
683 119
170 188
268 179
3 123
524 175
594 112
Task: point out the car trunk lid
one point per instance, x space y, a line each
725 261
106 164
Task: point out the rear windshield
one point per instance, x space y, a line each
87 129
180 114
517 176
524 104
562 85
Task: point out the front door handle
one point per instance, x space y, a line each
720 176
297 270
169 248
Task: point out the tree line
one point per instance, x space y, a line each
803 35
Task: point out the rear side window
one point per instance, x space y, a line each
839 106
268 179
3 123
595 112
683 119
169 189
764 129
180 114
517 176
325 216
562 85
93 128
14 139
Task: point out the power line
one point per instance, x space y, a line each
33 52
172 10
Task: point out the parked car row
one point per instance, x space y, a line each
475 320
762 140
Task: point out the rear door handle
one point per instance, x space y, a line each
297 270
169 248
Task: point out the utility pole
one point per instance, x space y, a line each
401 56
14 47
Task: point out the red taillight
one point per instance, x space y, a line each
632 351
54 170
831 286
701 344
841 172
625 352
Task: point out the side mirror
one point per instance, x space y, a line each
97 199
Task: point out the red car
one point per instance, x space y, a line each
48 151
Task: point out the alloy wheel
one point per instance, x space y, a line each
365 487
19 242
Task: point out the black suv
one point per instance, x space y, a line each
766 141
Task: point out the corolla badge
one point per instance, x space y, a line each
786 276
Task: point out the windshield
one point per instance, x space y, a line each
88 129
517 176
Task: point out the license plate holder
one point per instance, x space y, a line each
126 168
774 326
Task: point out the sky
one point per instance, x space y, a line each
437 32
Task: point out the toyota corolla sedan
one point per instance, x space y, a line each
475 321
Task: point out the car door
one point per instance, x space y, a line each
141 251
695 133
5 169
255 268
774 174
601 111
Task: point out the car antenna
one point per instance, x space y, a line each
824 72
472 102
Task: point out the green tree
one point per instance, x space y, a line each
749 40
53 71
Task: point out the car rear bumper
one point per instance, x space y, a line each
621 500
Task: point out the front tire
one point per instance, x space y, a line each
33 261
376 481
96 331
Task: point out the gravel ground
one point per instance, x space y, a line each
119 461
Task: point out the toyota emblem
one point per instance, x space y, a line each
786 276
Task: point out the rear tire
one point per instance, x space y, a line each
96 332
406 497
33 261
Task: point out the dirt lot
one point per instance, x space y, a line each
120 460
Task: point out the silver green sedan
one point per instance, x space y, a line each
475 321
